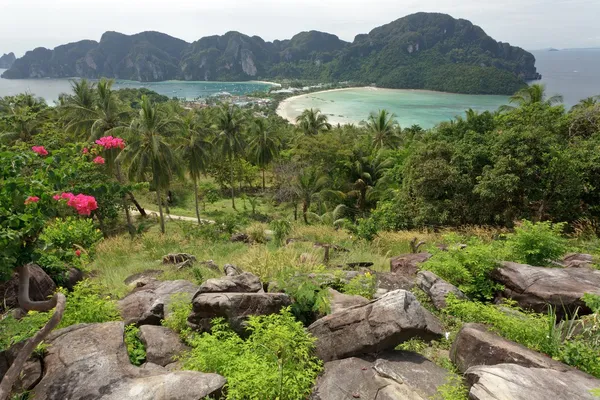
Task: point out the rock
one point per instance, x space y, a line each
148 305
242 283
231 270
7 60
90 361
41 287
408 264
235 307
537 287
178 258
376 326
30 374
392 375
143 278
162 344
476 345
240 238
437 289
74 276
339 301
578 260
514 382
390 281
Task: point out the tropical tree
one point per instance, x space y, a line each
194 150
263 145
532 94
309 183
311 121
149 153
93 111
229 140
384 129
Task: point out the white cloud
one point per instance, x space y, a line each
525 23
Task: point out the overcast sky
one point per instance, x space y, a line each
531 24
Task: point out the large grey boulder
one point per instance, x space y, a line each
41 287
162 344
242 283
235 307
437 289
578 260
148 304
476 345
90 361
392 375
376 326
515 382
390 281
408 264
538 287
340 301
30 374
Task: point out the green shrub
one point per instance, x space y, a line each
311 298
281 228
361 285
579 353
13 331
366 229
256 233
453 389
178 310
135 347
468 268
275 362
87 305
536 243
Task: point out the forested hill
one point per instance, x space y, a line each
420 51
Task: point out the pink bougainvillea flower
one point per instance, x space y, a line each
78 253
67 196
99 160
109 142
85 150
56 197
32 199
41 150
83 204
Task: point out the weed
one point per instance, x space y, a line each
135 347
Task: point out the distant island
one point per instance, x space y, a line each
420 51
7 60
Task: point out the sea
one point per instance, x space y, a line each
574 74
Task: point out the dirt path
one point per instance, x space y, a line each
174 217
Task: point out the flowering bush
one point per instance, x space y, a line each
109 142
85 150
82 203
98 160
31 199
41 150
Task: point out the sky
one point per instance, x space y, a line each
531 24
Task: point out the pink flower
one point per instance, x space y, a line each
98 160
56 197
109 142
32 199
41 150
83 204
85 150
78 253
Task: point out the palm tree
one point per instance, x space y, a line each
533 94
587 102
229 140
22 124
309 183
384 128
311 121
195 152
263 146
149 152
94 112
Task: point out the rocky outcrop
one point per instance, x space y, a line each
537 288
476 345
376 326
407 265
90 361
7 60
390 281
340 301
437 289
74 276
391 375
161 343
235 307
242 283
41 286
30 374
515 382
578 260
148 304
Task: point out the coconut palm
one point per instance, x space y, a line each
229 140
95 112
263 145
384 129
532 94
194 150
309 183
587 102
22 124
311 121
149 153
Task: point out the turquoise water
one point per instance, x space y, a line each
50 89
411 107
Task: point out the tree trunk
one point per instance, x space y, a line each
137 205
295 211
160 211
130 226
196 198
304 211
232 187
263 176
